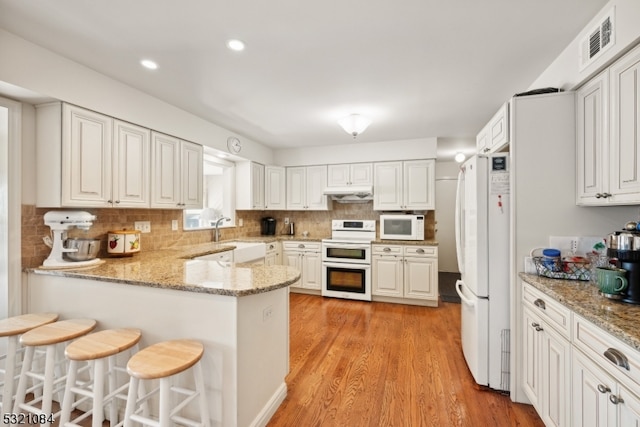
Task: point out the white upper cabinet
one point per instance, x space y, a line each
250 186
305 188
408 185
495 135
275 188
87 159
176 172
608 139
131 163
343 175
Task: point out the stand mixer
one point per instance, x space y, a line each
60 222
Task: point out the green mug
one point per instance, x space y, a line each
612 280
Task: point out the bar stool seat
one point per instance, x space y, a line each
48 336
163 361
12 328
98 347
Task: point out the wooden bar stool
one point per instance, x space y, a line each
47 336
98 348
12 328
164 361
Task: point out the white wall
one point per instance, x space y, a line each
423 148
32 67
565 72
446 186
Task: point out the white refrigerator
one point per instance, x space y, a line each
482 246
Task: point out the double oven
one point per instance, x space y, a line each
346 260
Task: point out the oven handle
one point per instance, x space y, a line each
350 246
346 265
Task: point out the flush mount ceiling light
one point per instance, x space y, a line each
354 124
460 157
149 64
235 45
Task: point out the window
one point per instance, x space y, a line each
218 198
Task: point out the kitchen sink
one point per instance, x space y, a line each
248 251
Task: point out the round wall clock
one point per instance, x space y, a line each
234 145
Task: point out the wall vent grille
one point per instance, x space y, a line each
598 40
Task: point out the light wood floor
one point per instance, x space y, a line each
376 364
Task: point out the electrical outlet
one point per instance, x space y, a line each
286 221
174 225
267 313
142 226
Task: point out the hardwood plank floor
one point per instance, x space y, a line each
376 364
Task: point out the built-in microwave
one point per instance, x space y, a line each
402 227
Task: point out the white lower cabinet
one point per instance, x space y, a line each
273 255
307 257
405 272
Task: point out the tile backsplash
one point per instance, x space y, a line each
317 223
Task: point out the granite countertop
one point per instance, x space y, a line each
406 242
620 319
174 269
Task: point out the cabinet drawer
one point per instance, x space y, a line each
386 250
619 359
421 250
552 312
301 246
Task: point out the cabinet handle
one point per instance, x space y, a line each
617 358
605 195
420 251
603 389
537 327
117 201
301 246
599 195
540 304
110 201
615 399
387 249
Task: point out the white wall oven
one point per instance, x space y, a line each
346 260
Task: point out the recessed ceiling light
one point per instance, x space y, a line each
147 63
235 44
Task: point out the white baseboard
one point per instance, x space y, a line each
271 407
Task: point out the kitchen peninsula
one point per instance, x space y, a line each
239 312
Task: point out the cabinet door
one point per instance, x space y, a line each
625 129
131 159
166 171
628 408
482 141
275 188
86 158
419 185
316 182
293 259
312 270
531 354
387 194
387 276
338 175
556 379
498 129
592 102
257 185
296 188
191 175
361 174
591 388
420 278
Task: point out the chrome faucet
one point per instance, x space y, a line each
216 236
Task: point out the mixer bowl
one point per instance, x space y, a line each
87 249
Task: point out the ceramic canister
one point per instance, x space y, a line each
123 242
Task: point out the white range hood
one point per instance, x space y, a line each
350 194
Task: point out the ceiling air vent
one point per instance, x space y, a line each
598 40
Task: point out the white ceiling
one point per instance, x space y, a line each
419 68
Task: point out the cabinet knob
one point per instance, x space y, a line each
117 201
110 201
598 195
615 399
603 388
537 326
605 195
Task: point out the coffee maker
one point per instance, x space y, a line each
268 226
623 247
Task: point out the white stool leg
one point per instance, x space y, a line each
202 398
132 397
98 393
113 384
47 390
22 382
67 400
9 375
165 402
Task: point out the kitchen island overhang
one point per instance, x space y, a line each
240 313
